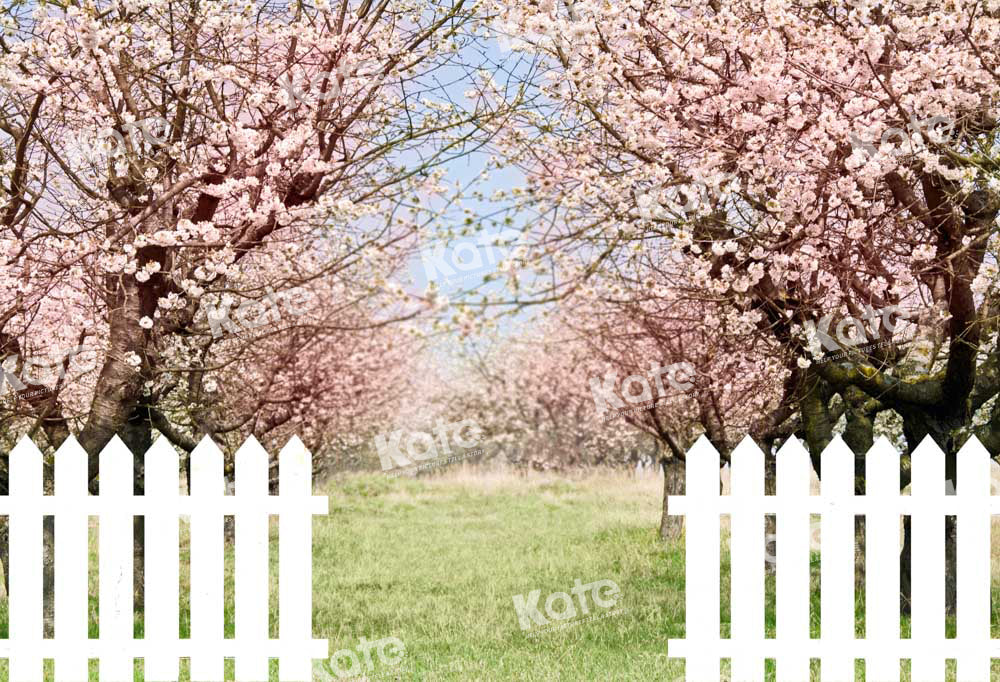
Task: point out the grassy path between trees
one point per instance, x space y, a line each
437 562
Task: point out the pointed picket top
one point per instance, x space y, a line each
207 464
747 442
883 445
205 441
974 469
702 442
294 469
71 469
702 466
927 469
116 469
837 466
747 469
794 467
882 470
793 439
702 449
250 442
251 468
116 449
69 445
25 469
162 469
25 442
974 441
835 442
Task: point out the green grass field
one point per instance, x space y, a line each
443 558
437 563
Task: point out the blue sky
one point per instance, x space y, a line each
490 218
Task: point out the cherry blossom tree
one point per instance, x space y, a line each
529 391
331 375
808 161
684 380
279 123
164 164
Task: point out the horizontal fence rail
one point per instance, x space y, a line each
162 506
931 499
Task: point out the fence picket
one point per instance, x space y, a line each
117 646
702 563
927 561
747 560
881 647
882 550
252 562
837 562
295 552
161 615
973 615
115 562
792 564
25 537
207 623
71 562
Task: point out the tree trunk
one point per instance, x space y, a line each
859 550
4 528
48 576
48 556
859 436
137 435
817 423
116 408
904 569
673 484
4 555
770 522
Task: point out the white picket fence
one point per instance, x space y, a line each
162 505
882 648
